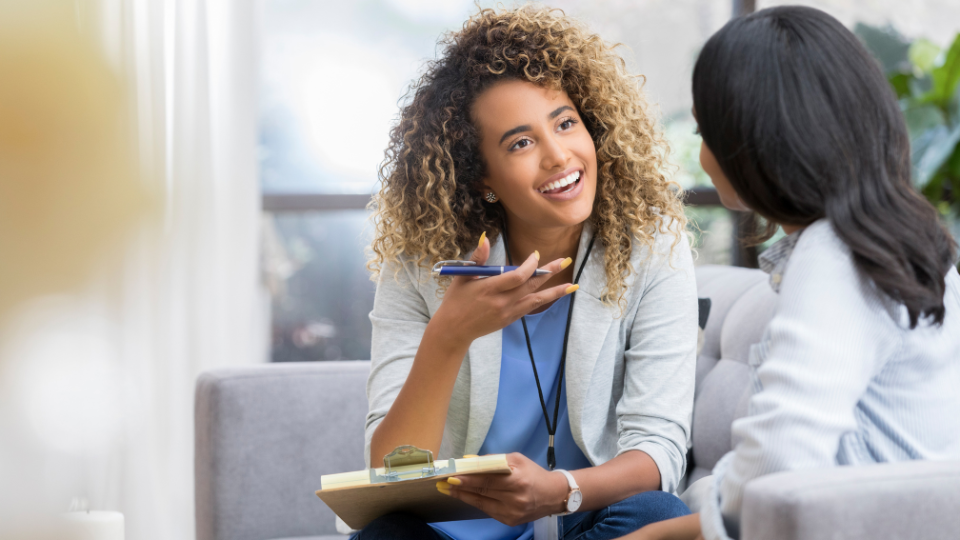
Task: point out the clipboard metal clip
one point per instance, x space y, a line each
409 462
441 264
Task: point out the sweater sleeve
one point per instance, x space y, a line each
656 409
399 319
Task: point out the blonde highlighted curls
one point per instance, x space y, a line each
430 205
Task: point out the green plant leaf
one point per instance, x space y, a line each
946 77
930 151
923 54
887 45
901 84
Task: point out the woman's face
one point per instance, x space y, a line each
540 160
728 197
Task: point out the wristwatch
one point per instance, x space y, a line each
574 498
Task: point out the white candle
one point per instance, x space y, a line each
94 525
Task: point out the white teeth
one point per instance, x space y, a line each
565 181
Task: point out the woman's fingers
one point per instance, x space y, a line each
512 280
478 256
486 505
535 282
534 300
481 484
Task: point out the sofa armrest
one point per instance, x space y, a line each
915 499
264 436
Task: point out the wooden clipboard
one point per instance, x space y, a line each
362 496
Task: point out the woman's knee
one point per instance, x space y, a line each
654 506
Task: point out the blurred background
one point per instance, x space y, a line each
183 186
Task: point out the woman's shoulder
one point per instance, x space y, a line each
665 251
821 272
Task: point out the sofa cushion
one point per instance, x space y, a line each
742 305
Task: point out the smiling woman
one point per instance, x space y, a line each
529 129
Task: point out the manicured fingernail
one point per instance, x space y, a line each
571 289
454 480
482 238
536 254
443 485
444 491
468 456
566 262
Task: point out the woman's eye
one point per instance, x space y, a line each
567 124
522 143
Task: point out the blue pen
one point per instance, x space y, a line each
470 268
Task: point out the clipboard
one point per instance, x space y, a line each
407 483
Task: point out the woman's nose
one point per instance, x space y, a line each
554 153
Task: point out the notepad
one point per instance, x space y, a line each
406 484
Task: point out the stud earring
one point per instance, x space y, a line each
491 197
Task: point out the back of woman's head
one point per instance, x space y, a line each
805 126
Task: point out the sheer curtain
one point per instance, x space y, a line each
190 296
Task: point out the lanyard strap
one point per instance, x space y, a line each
551 427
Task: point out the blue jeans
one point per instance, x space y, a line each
614 521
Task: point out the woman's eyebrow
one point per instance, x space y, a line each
525 127
559 110
514 131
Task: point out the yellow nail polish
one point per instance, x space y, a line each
571 289
455 481
444 491
468 456
536 254
565 263
443 485
482 238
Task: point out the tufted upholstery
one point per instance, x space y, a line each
742 304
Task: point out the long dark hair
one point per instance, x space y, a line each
805 126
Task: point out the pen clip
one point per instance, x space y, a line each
436 267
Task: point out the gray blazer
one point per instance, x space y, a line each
629 376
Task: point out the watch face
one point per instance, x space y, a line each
574 502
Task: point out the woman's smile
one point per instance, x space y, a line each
563 186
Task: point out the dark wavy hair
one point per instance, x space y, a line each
430 206
805 126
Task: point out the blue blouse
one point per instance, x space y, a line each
518 424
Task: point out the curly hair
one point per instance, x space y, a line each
430 208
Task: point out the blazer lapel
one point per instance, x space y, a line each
591 321
484 357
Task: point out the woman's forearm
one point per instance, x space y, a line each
623 476
419 413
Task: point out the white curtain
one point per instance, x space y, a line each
190 297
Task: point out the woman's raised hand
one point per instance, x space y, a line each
474 307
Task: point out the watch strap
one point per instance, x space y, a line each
572 483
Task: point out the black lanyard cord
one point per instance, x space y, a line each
551 427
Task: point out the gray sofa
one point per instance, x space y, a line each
265 434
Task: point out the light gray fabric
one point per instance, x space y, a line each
724 286
629 379
909 500
264 436
742 304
